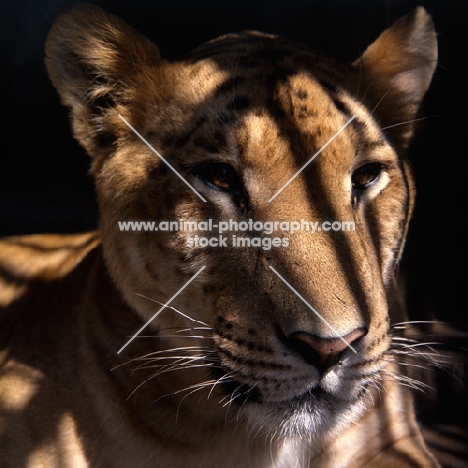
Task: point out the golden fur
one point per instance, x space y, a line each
238 371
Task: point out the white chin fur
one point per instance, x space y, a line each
315 420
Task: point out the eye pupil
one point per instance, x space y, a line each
223 177
220 175
366 175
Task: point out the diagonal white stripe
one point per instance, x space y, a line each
161 309
160 157
311 308
311 159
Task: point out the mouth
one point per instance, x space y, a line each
288 414
240 393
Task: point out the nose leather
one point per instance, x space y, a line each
323 352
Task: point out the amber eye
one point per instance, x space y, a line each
366 175
221 176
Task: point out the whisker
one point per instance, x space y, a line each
200 387
404 338
174 309
380 102
408 122
176 360
232 397
195 387
172 350
171 369
412 365
190 350
195 328
420 322
178 336
412 383
227 377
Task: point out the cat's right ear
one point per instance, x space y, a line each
97 63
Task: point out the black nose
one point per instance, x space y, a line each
323 352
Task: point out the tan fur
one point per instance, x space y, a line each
69 303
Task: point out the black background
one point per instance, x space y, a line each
44 186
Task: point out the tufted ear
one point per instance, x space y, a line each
396 71
97 63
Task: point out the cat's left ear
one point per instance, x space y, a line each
396 71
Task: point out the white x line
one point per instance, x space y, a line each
311 308
161 309
311 159
159 155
